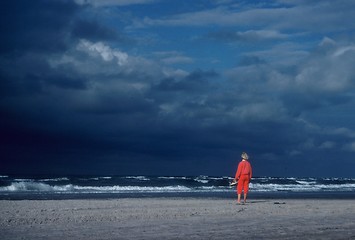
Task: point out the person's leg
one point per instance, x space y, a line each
246 189
239 189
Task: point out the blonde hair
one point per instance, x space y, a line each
245 156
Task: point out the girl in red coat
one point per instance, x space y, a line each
243 176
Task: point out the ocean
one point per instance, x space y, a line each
73 187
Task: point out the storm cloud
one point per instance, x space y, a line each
76 97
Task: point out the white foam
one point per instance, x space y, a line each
219 178
99 178
180 178
129 189
259 185
105 177
23 180
26 186
141 178
42 187
301 188
54 179
201 180
306 182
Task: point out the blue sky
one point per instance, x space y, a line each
177 87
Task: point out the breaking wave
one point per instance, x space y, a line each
167 184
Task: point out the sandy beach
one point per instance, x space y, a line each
177 218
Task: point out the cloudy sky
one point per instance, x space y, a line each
172 87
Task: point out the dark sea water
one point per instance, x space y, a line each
77 187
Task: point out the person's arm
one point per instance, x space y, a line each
237 174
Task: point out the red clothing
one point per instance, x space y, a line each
243 175
243 183
244 168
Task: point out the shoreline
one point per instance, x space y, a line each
177 218
331 195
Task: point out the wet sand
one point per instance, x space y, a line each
177 218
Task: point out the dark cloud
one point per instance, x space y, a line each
39 25
62 81
92 30
46 26
71 97
195 81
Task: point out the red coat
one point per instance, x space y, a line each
244 168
